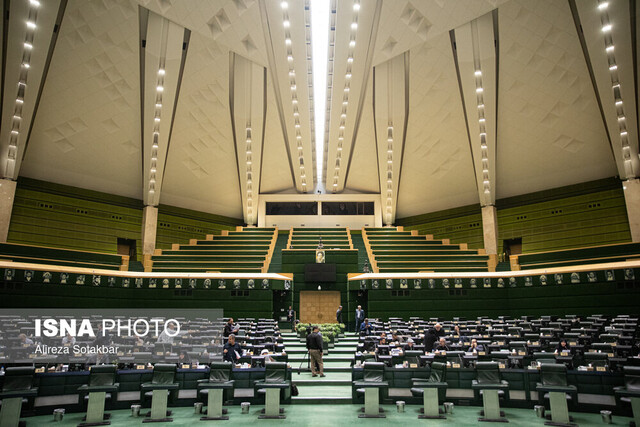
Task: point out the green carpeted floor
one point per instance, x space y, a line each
330 415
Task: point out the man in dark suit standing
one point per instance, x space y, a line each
359 317
314 345
339 315
290 316
432 336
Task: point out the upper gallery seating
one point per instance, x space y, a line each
396 250
577 256
246 250
308 238
64 257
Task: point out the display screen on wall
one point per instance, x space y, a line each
292 208
319 273
347 208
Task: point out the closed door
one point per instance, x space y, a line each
319 306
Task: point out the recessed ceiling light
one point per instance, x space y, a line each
286 23
619 102
160 89
161 72
603 5
352 43
284 5
478 73
287 41
28 45
479 90
354 26
613 67
609 48
356 7
31 25
606 28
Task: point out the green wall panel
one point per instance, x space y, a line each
587 214
47 214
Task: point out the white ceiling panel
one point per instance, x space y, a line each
437 170
86 131
550 130
276 171
201 171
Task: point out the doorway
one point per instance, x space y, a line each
512 247
319 306
127 247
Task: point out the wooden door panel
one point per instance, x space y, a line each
319 306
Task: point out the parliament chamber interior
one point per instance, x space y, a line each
319 212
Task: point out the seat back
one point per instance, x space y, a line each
553 374
413 356
220 372
275 372
164 373
596 359
100 375
373 371
488 373
18 378
632 377
438 372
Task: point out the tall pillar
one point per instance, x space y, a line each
631 189
7 194
490 229
149 228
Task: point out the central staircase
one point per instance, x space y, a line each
336 386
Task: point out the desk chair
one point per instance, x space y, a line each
102 386
630 392
430 390
554 387
213 388
370 385
18 385
491 387
162 382
275 380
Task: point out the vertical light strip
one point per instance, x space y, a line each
320 12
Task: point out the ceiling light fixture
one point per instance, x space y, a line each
320 22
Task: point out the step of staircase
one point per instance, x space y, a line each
334 394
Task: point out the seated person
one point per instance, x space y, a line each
167 337
458 336
230 328
183 358
231 351
396 338
267 357
68 340
475 347
563 347
365 328
441 345
24 341
410 345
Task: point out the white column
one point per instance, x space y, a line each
631 189
490 229
7 194
149 228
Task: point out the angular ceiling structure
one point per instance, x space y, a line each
209 104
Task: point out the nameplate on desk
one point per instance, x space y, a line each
186 366
482 353
140 367
32 356
500 342
564 353
610 355
613 344
522 353
443 353
466 343
159 353
601 369
535 343
485 336
39 370
455 365
413 365
120 353
501 365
